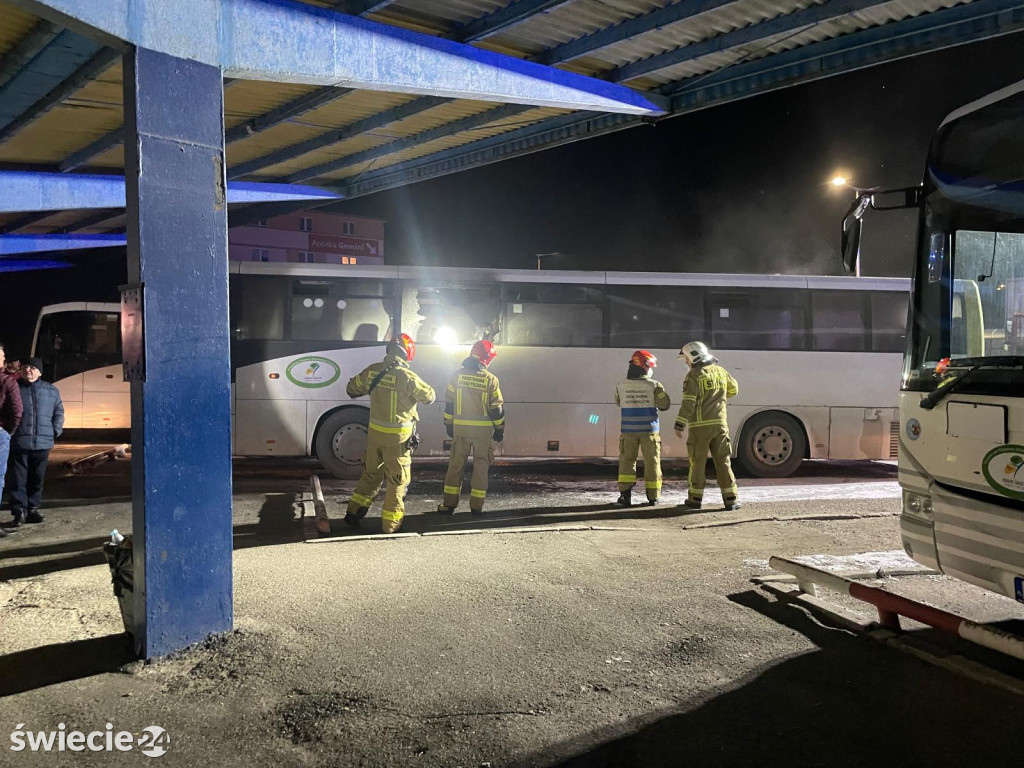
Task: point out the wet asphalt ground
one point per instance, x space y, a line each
638 641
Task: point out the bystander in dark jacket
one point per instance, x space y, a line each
41 423
10 417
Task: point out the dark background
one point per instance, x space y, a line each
736 188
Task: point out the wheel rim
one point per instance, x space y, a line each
773 445
348 443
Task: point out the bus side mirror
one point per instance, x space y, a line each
853 224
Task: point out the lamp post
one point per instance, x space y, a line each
545 255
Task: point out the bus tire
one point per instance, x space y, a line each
341 442
772 444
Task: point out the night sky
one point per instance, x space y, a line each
736 188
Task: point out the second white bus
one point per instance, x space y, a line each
817 358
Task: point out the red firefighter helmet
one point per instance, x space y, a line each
483 351
644 359
403 346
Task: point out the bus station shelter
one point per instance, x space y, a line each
156 123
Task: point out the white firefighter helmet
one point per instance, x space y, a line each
697 353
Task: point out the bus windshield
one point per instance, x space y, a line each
78 341
968 304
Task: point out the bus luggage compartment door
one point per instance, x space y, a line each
861 433
270 427
106 399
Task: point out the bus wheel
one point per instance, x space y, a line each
341 442
772 445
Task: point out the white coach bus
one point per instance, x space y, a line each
817 358
962 398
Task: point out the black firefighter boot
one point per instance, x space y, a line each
443 510
625 499
353 520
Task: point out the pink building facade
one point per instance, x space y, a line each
310 237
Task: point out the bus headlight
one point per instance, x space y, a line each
918 505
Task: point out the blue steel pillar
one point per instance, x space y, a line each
181 414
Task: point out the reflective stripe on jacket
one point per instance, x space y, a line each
473 402
639 401
393 401
705 390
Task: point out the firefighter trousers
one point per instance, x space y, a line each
482 451
631 445
385 460
714 440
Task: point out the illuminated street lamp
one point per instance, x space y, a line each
839 181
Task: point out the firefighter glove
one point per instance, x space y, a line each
499 435
679 433
450 429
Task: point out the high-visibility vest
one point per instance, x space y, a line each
639 401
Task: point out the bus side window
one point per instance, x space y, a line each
655 316
451 314
545 315
888 321
839 321
262 307
339 310
759 318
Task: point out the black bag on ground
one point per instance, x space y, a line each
119 558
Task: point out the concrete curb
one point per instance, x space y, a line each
471 532
778 519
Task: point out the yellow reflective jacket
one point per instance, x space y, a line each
394 399
473 403
705 390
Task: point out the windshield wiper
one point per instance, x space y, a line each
950 386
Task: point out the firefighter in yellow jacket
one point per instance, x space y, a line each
705 390
394 392
640 398
474 415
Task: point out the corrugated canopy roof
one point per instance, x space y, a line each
61 94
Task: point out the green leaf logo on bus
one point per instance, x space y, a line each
313 372
1002 469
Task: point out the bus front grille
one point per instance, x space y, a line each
894 440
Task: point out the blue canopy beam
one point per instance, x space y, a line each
288 41
22 191
475 30
13 245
